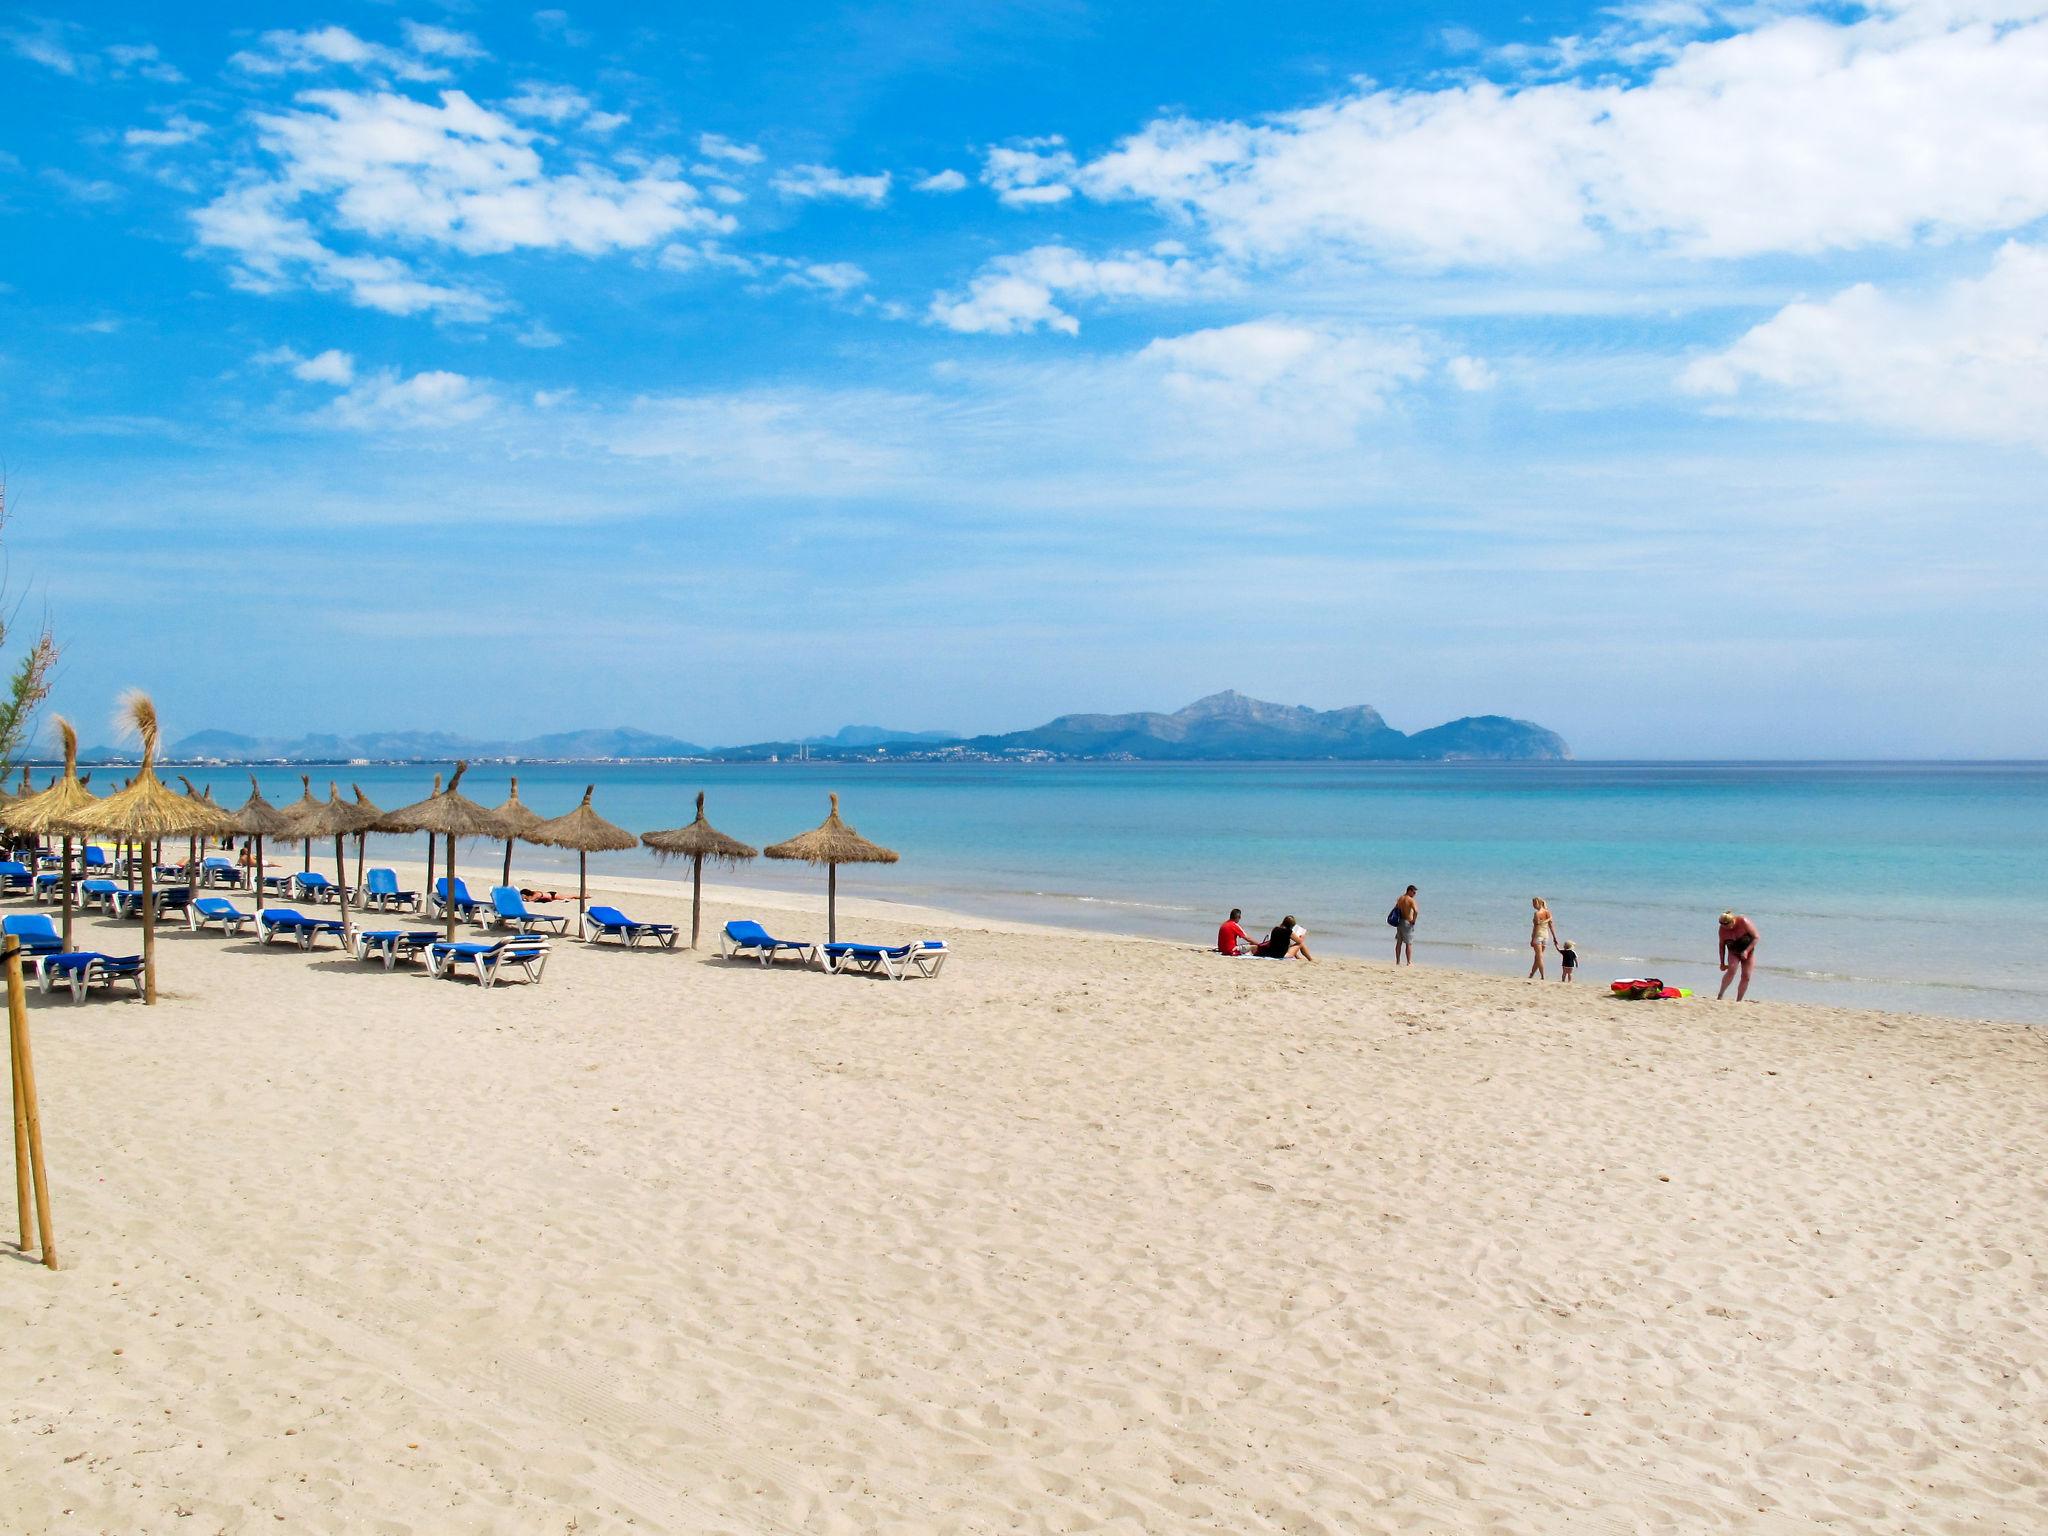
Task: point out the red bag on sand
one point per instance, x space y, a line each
1640 987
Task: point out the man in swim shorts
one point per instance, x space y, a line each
1739 938
1405 913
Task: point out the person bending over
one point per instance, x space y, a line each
1739 938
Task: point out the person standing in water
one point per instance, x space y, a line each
1404 914
1541 925
1739 938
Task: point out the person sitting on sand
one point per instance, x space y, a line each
1739 938
1231 939
1288 941
1542 925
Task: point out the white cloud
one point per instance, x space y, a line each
1024 291
833 277
948 180
716 146
1967 361
814 181
1472 374
286 52
142 59
47 46
385 401
85 189
547 103
1033 173
1801 134
1281 378
177 129
331 367
387 167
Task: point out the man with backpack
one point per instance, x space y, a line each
1402 921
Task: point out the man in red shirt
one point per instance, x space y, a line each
1231 939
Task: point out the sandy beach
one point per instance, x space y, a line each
1087 1234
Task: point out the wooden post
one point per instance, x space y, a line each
341 887
831 903
448 907
696 895
22 1198
257 874
27 1113
66 887
582 886
149 925
361 839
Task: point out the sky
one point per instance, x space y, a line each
1673 375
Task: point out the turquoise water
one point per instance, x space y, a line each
1899 886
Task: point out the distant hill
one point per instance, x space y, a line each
1231 727
1224 727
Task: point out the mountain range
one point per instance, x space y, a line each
1224 727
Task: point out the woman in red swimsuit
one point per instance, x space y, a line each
1738 952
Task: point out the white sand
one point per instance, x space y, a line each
1085 1235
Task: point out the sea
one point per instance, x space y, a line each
1910 886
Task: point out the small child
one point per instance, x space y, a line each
1568 957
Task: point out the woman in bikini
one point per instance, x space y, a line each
1541 925
1739 938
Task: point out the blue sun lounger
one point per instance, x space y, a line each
38 936
217 871
610 922
380 890
528 951
746 937
97 893
311 885
392 945
282 922
16 879
79 969
216 911
466 905
927 957
511 908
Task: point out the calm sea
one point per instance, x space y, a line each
1901 886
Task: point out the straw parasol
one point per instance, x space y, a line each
446 813
518 821
367 817
147 812
391 821
338 819
195 848
831 843
587 832
697 842
51 812
259 819
307 805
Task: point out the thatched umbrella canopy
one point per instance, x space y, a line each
308 805
54 811
831 843
697 842
338 819
446 813
259 819
518 821
196 846
587 832
368 814
147 812
395 821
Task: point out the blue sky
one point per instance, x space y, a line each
1674 375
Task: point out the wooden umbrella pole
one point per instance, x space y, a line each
22 1198
696 895
831 903
257 874
31 1114
341 884
448 906
506 878
67 892
582 886
149 925
361 839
